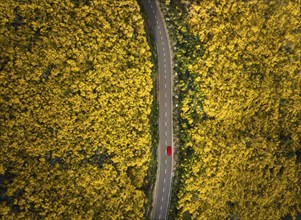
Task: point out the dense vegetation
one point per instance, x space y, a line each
75 100
240 86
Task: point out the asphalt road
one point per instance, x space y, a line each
164 174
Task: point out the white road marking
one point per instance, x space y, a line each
163 50
161 39
165 114
163 53
165 76
164 60
162 43
161 207
157 21
165 105
165 95
165 142
164 180
162 198
166 123
165 171
165 86
159 216
163 189
154 11
158 27
160 32
156 17
166 160
165 133
151 6
164 65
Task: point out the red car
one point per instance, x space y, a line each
168 150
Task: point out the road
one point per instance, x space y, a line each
164 173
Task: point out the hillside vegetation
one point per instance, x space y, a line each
75 83
240 108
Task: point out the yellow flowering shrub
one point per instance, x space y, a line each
242 152
75 100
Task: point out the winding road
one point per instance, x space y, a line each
164 173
